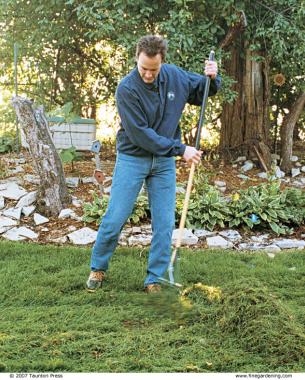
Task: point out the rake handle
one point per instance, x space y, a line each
192 171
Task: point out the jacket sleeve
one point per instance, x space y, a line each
136 126
196 87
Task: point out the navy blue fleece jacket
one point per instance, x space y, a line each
150 113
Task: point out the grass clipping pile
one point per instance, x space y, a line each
260 322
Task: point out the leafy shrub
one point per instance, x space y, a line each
6 144
94 212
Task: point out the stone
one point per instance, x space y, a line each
17 170
27 200
27 211
72 182
34 179
234 166
278 172
222 189
83 236
271 255
13 212
241 159
11 190
295 172
7 222
146 228
203 233
242 176
76 202
107 190
188 238
247 166
67 213
142 240
40 219
2 203
294 158
136 230
275 157
260 238
258 247
218 242
180 190
263 175
232 235
13 235
303 169
220 183
290 243
59 240
298 164
86 180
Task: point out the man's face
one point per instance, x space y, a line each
149 67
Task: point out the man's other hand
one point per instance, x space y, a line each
192 155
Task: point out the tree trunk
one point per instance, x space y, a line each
288 125
53 194
245 122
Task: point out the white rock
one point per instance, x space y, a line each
7 222
203 233
222 189
290 243
240 159
232 235
188 238
263 175
259 247
71 228
146 228
247 166
27 211
72 181
59 240
88 180
180 190
2 203
77 202
294 158
218 242
275 157
40 219
234 166
27 200
45 229
242 176
11 190
13 212
278 172
4 229
13 235
107 190
271 255
139 240
136 230
83 236
260 238
303 169
34 179
292 268
27 232
295 172
220 183
17 170
298 164
67 213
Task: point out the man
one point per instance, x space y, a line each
150 101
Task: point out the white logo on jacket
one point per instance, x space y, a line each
170 95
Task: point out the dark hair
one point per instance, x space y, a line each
152 45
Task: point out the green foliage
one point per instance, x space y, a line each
272 207
70 155
95 210
6 144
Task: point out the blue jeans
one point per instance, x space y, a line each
130 172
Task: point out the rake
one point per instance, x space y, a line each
176 252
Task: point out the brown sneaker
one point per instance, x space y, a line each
152 288
95 280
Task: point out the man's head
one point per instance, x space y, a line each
150 54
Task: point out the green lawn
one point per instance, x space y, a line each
48 322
